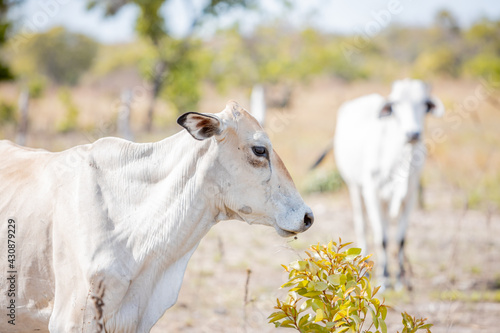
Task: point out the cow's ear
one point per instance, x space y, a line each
201 125
435 106
386 110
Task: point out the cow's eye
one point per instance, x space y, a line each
259 151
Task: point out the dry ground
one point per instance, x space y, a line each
453 245
454 258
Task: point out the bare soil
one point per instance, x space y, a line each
454 258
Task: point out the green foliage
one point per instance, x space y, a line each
150 23
70 123
7 112
412 324
176 70
183 82
36 86
323 181
437 62
485 193
120 56
185 64
484 37
485 65
61 55
5 25
274 54
330 291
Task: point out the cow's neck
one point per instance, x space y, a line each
158 200
174 195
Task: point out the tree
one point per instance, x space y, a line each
173 57
62 55
5 25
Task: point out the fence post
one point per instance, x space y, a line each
258 103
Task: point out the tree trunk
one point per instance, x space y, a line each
158 78
124 111
22 129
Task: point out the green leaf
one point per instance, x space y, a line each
341 329
374 317
287 323
317 304
375 301
306 305
354 251
313 268
336 279
340 315
277 316
356 319
319 315
348 291
299 265
383 326
303 320
311 294
383 311
320 286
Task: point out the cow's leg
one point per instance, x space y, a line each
69 306
357 209
87 303
379 227
408 204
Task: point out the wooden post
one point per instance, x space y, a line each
421 195
124 116
22 129
258 103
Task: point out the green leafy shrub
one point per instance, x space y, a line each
70 123
7 112
61 55
36 86
330 291
323 181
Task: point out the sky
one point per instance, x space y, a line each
338 16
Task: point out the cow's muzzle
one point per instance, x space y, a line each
413 137
305 224
308 220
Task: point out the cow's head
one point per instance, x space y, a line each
409 102
253 182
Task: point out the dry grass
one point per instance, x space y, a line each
453 250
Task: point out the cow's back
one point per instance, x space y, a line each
357 136
29 179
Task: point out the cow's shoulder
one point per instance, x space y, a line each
10 147
115 152
368 105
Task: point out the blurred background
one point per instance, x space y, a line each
75 71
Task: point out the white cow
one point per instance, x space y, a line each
102 233
379 152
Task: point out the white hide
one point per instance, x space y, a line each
104 231
379 162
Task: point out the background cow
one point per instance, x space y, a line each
379 152
104 231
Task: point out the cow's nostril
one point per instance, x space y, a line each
413 136
308 220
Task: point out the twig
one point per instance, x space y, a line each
245 300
